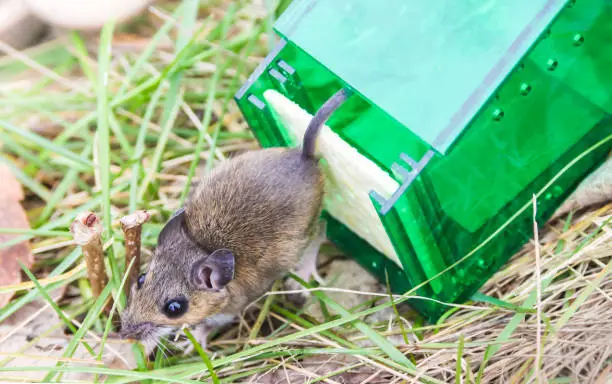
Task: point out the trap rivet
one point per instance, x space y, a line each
498 114
578 39
525 89
552 64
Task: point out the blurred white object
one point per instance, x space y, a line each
349 176
85 14
18 26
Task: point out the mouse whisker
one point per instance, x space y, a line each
164 351
160 346
160 338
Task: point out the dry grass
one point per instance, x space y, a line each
179 103
501 346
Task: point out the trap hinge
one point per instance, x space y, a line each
407 177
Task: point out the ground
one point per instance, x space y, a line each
126 119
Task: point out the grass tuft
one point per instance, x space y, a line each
128 119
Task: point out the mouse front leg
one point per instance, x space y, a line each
308 264
201 331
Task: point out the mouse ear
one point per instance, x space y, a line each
213 272
173 227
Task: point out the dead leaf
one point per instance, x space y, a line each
12 215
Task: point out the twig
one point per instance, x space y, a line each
132 229
538 277
87 231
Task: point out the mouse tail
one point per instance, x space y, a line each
319 119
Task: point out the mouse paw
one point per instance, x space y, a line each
186 346
200 334
307 268
297 298
188 349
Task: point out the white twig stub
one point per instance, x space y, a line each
135 219
132 230
85 228
87 232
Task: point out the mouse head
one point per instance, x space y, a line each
184 285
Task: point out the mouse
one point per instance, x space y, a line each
248 223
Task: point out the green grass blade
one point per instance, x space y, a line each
584 295
16 304
396 312
64 221
104 148
26 180
52 303
36 232
140 148
212 89
170 112
109 320
23 152
78 334
265 309
201 136
104 55
174 98
481 297
60 191
148 51
376 338
83 57
506 334
460 346
130 376
46 144
137 92
189 16
307 324
203 355
119 135
189 370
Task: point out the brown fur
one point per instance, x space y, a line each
261 205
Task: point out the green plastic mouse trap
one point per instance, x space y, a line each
461 112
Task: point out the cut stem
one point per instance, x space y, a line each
87 232
132 229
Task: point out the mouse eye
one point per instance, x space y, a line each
175 307
140 280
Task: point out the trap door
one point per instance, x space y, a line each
429 64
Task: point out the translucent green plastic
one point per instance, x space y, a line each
441 58
542 127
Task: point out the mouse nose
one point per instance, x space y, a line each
137 331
